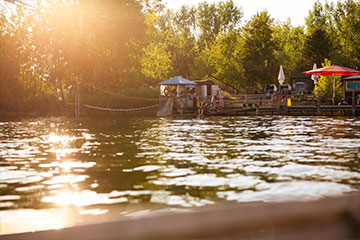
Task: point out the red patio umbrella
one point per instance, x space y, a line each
333 71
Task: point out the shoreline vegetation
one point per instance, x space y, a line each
114 53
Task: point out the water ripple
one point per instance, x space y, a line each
154 163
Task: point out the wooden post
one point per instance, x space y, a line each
260 101
353 102
279 101
75 105
318 105
78 105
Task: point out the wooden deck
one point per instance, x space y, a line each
299 110
262 104
331 218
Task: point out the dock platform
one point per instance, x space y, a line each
300 110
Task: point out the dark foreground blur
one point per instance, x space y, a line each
331 218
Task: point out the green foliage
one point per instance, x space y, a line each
217 18
225 58
156 62
153 6
123 47
324 87
338 37
290 43
258 51
317 18
346 33
317 46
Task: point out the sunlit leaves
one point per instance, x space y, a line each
217 18
258 50
93 46
225 57
156 63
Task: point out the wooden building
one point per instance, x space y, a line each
205 88
352 89
298 77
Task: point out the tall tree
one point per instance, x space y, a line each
225 58
20 84
317 46
258 50
217 18
289 41
153 6
317 18
346 34
156 58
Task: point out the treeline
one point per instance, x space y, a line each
114 52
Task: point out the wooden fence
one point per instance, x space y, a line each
262 104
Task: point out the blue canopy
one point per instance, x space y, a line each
356 77
177 81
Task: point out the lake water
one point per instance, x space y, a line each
58 172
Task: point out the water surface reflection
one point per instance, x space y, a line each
66 172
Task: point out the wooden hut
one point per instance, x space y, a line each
299 78
205 88
352 89
174 94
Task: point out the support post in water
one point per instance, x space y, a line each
77 105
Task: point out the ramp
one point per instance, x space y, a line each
165 107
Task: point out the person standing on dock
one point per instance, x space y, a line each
214 101
182 97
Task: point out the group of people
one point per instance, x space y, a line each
201 104
216 102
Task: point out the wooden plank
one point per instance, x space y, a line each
332 218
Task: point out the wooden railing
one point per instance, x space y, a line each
264 104
282 100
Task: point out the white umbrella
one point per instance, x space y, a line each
314 77
281 76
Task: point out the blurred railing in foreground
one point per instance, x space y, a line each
331 218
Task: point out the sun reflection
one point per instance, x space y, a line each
64 188
67 166
25 220
60 145
61 140
64 198
82 198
